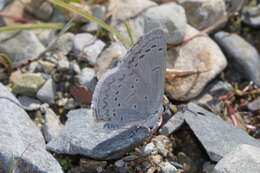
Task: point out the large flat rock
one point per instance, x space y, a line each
21 141
83 135
216 136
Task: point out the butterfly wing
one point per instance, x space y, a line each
134 90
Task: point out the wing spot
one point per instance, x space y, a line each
141 57
115 98
119 105
147 50
160 49
132 86
145 97
153 46
136 80
117 92
135 106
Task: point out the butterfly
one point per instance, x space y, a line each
131 94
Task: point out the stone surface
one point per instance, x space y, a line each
27 84
98 11
254 105
40 9
3 3
211 94
52 125
21 141
251 16
132 13
47 92
217 137
170 17
20 46
46 36
167 167
109 58
243 57
234 5
87 47
29 103
202 14
244 158
64 44
84 136
87 77
198 62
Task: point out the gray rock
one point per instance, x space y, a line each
234 5
63 63
47 92
63 44
98 11
3 3
83 135
254 105
243 57
87 47
216 136
57 16
211 94
87 77
167 167
198 61
46 36
29 103
244 158
20 46
109 57
40 9
22 143
170 17
130 12
202 14
208 167
52 125
251 16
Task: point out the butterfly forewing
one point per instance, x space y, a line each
133 91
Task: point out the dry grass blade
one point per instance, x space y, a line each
19 27
6 62
91 18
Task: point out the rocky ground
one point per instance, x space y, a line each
211 119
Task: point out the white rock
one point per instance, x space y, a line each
87 47
243 159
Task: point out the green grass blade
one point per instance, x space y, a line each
91 18
19 27
129 32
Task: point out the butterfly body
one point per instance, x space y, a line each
131 94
